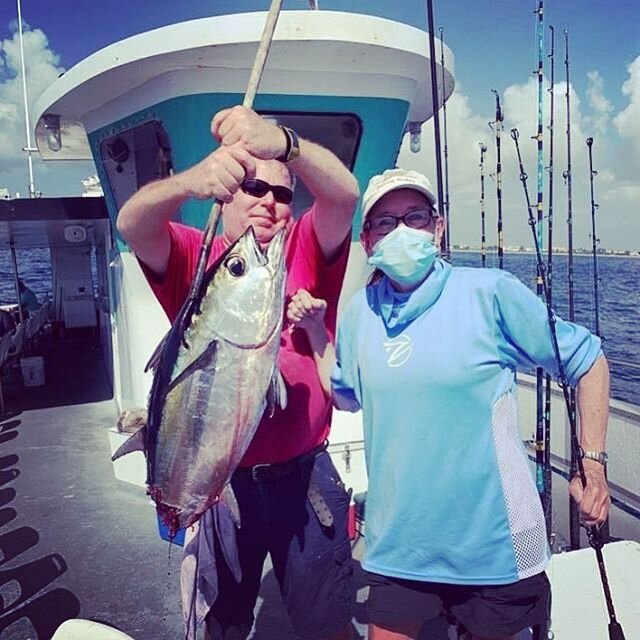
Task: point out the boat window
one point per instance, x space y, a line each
134 157
339 132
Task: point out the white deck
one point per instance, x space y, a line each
578 610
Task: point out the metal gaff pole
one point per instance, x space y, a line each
252 89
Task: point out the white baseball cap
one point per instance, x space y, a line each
393 179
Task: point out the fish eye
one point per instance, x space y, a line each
235 266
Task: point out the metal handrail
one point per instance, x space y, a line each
623 363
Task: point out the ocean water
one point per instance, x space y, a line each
619 298
619 302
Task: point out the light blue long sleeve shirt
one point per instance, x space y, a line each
451 497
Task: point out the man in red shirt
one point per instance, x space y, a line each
251 172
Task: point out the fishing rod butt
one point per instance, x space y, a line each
615 631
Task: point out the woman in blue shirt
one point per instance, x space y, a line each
429 353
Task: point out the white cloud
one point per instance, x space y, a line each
627 122
617 196
601 106
42 68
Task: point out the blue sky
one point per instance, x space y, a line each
494 47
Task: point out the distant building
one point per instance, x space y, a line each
92 187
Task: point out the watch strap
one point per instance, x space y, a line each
292 149
598 456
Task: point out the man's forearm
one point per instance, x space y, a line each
325 176
147 213
335 191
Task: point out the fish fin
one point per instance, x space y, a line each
137 442
200 362
276 393
226 516
154 360
229 498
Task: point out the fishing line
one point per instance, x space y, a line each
594 534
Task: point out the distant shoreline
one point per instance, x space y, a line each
544 253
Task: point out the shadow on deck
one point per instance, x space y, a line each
75 542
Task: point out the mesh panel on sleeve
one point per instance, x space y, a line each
524 511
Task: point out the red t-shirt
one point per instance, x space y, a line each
305 422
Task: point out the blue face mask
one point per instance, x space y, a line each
405 255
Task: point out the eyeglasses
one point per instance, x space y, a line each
416 219
259 188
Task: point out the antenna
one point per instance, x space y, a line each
27 121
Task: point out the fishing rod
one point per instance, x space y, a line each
594 243
249 97
214 217
540 433
547 504
14 259
444 132
594 240
593 533
444 244
483 150
574 518
498 130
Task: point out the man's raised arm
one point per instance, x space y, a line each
331 184
144 219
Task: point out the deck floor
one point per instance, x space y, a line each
74 541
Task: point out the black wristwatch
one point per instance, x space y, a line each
292 150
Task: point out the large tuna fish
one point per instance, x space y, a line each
214 374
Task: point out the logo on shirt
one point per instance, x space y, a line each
399 350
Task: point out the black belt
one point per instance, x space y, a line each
273 471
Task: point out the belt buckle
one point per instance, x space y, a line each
256 472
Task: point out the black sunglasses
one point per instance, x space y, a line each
416 219
259 188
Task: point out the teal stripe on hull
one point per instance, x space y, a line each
187 121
